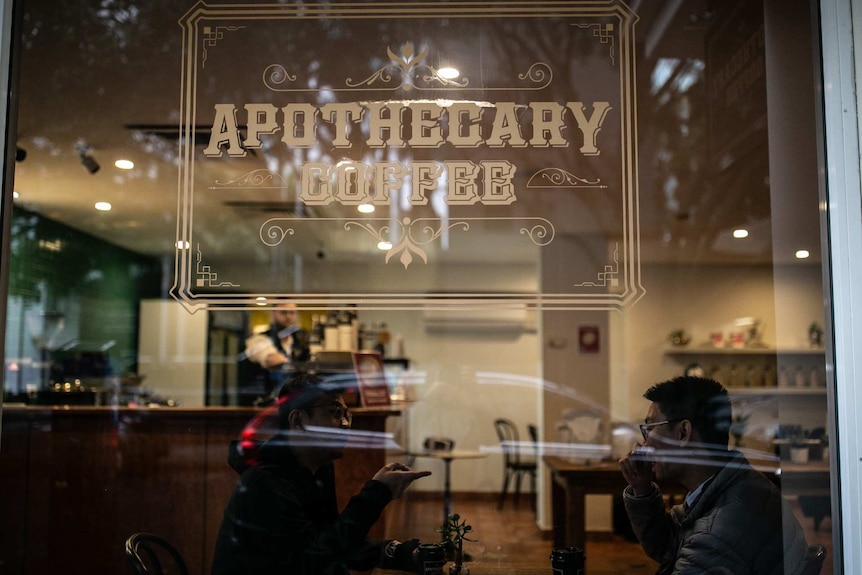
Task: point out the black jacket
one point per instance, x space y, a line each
283 519
740 524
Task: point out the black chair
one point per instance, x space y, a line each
438 444
151 555
534 437
513 463
814 560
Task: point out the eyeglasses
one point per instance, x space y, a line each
645 427
337 412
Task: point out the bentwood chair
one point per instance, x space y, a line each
814 560
514 465
151 555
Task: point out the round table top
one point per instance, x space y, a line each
450 454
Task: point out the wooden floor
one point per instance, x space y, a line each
511 537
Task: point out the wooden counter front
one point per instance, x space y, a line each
76 482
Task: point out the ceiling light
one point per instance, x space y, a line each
182 245
103 206
260 300
740 233
124 164
15 195
365 208
448 73
384 245
802 254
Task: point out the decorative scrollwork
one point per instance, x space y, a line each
407 71
540 73
211 36
560 178
274 234
253 179
609 276
413 234
276 75
207 277
539 234
605 34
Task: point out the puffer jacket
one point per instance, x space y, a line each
283 519
739 525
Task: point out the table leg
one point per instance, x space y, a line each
576 509
447 490
569 513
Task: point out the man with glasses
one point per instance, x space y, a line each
283 516
733 519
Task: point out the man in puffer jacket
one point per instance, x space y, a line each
734 519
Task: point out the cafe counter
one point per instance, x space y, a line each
77 481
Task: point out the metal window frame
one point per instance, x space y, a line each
841 210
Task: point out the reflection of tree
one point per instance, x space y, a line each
677 127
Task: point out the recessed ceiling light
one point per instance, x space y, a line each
124 164
802 254
740 233
384 246
448 73
260 300
103 206
365 208
182 245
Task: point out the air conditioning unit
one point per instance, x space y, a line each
479 320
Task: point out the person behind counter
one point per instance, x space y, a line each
733 519
268 354
282 516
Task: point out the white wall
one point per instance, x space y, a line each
704 299
172 351
462 380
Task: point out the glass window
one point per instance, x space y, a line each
493 226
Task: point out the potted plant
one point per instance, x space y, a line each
678 337
815 335
453 534
799 448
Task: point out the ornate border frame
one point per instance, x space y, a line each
204 25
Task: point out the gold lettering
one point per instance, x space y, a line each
224 131
425 175
427 131
462 183
385 130
464 118
547 125
261 120
299 125
342 116
498 177
505 130
589 127
316 180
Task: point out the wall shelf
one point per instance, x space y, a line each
773 391
742 351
